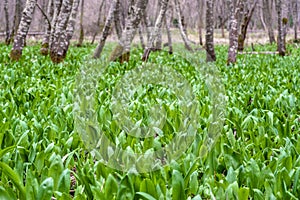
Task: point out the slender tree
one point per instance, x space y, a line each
296 16
209 37
168 19
200 23
244 26
81 32
45 43
106 29
19 40
267 13
17 19
156 30
181 28
7 32
282 23
233 32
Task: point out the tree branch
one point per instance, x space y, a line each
44 14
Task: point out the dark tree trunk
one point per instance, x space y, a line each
295 13
17 19
25 22
7 32
81 32
209 37
117 19
244 25
167 22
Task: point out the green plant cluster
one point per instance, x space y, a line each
256 156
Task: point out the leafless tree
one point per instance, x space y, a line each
209 37
295 17
282 24
81 32
7 31
122 51
19 40
63 30
106 28
45 43
267 10
246 17
157 29
233 31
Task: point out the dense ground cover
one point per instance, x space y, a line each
256 157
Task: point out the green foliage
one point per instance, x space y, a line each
257 155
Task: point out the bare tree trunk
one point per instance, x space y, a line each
63 31
122 51
106 29
233 33
167 22
156 30
19 40
7 32
282 22
117 19
141 37
98 21
295 13
209 36
245 22
268 20
81 34
182 32
17 19
45 43
200 23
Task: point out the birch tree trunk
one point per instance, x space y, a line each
19 40
45 43
156 30
106 29
282 23
244 26
63 31
233 32
122 51
81 33
7 32
209 37
182 32
267 13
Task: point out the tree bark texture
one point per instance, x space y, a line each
157 29
25 22
209 36
233 32
282 23
106 29
63 30
122 51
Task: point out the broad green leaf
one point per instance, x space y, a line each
146 196
45 191
178 192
